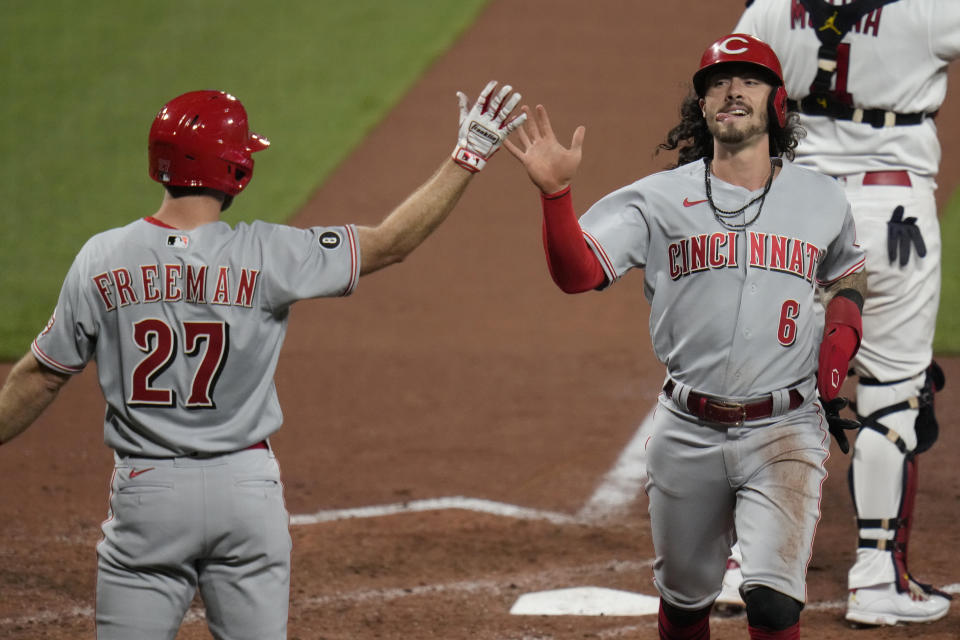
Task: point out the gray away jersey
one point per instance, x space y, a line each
186 326
732 312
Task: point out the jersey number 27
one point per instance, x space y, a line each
158 341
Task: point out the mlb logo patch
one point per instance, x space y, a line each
178 242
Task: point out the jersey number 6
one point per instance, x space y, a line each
158 340
787 331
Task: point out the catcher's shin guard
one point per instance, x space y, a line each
876 400
883 477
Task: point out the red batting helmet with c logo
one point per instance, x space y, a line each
202 139
745 49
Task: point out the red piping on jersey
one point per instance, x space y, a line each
608 263
854 268
354 262
159 223
50 362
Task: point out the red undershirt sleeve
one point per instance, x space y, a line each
572 263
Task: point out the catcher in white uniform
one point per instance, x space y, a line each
185 317
734 243
870 121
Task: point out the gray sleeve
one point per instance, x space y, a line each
844 256
69 340
309 263
616 230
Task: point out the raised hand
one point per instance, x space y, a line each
550 165
484 127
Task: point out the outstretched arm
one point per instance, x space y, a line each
482 130
551 166
409 224
28 390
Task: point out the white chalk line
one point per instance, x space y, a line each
494 586
491 585
434 504
623 483
619 488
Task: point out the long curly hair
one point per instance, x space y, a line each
694 141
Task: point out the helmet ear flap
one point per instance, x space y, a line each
778 105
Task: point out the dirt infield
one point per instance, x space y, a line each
465 374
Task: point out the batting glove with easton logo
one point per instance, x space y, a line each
484 127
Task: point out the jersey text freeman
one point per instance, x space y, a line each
174 283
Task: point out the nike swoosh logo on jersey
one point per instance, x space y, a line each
689 203
134 473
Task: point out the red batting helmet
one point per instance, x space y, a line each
202 139
745 49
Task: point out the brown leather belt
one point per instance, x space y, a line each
887 179
725 412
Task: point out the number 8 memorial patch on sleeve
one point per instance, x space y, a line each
330 239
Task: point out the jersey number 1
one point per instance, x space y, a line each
158 341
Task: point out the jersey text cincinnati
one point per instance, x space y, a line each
767 251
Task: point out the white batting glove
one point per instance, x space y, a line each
484 127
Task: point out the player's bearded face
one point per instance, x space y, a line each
735 107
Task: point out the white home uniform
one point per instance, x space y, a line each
186 328
891 68
733 319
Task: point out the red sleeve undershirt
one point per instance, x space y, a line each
573 266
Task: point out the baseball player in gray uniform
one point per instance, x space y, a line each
733 243
185 317
869 118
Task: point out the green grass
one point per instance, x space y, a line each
83 80
947 339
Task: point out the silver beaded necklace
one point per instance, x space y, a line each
723 216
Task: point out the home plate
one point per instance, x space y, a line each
585 601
